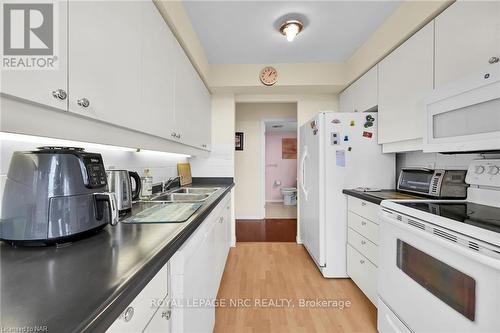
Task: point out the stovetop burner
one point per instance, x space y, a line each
481 216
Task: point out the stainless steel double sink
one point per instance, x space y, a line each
186 194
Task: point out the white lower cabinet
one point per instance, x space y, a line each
152 299
197 269
180 298
363 273
362 245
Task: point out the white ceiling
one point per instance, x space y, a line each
246 32
287 126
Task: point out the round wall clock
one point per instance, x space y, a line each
268 75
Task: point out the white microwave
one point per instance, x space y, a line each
465 116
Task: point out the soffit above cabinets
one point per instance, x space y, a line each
245 32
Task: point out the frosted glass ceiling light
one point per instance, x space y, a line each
291 28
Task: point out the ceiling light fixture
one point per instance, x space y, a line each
291 28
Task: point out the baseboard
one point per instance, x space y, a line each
299 241
274 200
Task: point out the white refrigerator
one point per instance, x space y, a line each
338 150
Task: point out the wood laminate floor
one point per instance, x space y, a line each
267 230
257 274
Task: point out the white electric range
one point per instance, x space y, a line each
439 261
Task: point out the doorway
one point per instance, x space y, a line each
280 169
266 172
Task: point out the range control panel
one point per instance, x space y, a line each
484 173
96 174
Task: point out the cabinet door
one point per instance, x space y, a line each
192 103
364 92
160 323
105 40
405 78
467 36
185 99
345 100
199 276
157 87
41 86
138 314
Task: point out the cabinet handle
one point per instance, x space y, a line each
363 242
59 94
221 219
493 60
128 314
361 261
83 102
363 203
166 314
178 136
173 135
363 223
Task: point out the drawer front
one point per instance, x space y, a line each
363 245
363 208
137 315
363 273
364 226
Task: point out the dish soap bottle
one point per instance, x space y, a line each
147 185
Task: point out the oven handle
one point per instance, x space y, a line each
387 217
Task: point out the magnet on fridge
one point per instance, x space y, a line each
334 138
367 134
369 118
352 123
349 148
335 121
346 138
368 124
313 124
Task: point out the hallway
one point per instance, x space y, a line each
266 230
257 273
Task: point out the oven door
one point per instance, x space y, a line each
434 284
464 115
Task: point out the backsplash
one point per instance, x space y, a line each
161 165
436 160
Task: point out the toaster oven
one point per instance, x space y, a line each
433 183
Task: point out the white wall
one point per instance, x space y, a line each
434 160
249 191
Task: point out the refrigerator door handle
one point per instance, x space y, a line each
303 172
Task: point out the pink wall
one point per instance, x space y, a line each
277 168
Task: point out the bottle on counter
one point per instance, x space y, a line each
147 184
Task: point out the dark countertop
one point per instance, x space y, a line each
379 196
85 286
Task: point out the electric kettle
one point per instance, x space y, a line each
119 182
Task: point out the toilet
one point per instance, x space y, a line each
289 196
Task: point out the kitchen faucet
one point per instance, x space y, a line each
170 181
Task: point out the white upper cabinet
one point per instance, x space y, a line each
48 87
192 103
105 43
362 94
467 37
158 63
405 78
345 100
